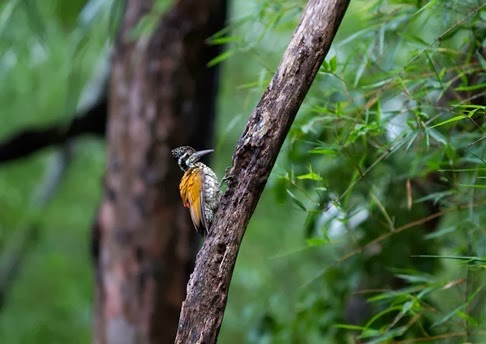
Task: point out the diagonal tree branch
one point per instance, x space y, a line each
29 141
256 153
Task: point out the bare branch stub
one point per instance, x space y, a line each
256 153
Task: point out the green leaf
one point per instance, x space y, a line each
325 67
465 258
310 176
313 242
324 151
471 87
378 112
415 278
468 318
224 39
437 136
296 200
457 118
333 64
221 57
476 186
448 316
350 327
440 232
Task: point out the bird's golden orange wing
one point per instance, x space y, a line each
190 189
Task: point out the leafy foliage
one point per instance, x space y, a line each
387 158
50 52
372 227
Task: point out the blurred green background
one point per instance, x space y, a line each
391 133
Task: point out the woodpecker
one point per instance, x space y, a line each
199 187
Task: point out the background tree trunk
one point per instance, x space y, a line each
256 153
162 95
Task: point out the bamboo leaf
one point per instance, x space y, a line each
296 200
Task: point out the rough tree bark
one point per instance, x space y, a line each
207 290
161 95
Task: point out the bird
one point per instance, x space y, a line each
199 187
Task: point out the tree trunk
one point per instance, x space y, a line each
162 95
207 290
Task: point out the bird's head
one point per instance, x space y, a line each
187 156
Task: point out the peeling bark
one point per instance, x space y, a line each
162 95
207 290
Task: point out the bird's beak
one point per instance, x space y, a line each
199 154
